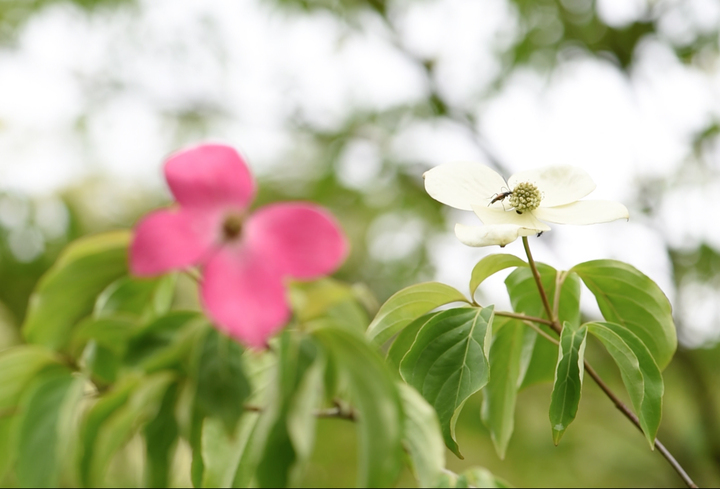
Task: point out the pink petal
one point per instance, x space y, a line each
169 239
210 175
244 296
300 240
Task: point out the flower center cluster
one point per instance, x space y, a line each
525 197
232 227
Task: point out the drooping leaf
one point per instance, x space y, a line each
490 265
407 305
639 372
67 292
18 365
376 399
422 437
96 417
222 452
525 299
161 435
141 407
510 345
628 297
281 460
448 363
39 438
567 388
222 387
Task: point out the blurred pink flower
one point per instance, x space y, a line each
244 257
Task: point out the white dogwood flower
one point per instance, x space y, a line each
518 207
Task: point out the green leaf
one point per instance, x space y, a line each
422 437
311 300
19 365
525 299
410 303
490 265
223 452
67 292
404 341
629 298
481 477
161 435
375 396
39 434
448 362
567 388
166 341
510 346
639 372
137 298
280 460
141 407
96 417
222 387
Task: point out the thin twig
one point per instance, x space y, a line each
618 403
634 419
334 412
542 333
523 317
541 289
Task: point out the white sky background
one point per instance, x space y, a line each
120 74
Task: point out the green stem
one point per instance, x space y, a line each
523 317
593 374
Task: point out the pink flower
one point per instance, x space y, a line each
244 257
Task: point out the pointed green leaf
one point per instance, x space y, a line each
67 292
222 452
422 437
141 407
408 304
490 265
567 388
525 299
448 362
222 387
404 341
377 401
138 298
39 429
509 346
161 435
639 372
630 298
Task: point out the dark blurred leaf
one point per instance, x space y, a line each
166 342
161 435
374 394
567 388
222 387
448 363
628 297
67 292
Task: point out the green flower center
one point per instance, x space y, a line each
232 227
525 197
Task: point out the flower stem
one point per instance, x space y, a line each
523 317
541 289
555 324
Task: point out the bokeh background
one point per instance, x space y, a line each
347 103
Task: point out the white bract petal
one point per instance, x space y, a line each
492 235
461 184
492 216
584 212
559 185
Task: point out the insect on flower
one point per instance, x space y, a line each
500 197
